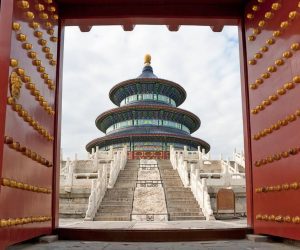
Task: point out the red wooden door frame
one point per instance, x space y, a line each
126 17
73 17
5 47
57 126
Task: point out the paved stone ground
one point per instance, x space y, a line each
190 224
208 245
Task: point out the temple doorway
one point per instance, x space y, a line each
182 180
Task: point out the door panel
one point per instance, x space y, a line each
29 75
273 57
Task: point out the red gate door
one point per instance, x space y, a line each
273 56
28 66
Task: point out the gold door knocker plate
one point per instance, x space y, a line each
15 85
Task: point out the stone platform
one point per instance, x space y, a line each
211 245
191 224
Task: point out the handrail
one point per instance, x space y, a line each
200 192
164 193
118 160
137 175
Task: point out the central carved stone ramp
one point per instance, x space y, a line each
181 204
117 202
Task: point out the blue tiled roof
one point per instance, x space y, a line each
147 73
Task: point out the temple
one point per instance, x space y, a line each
148 119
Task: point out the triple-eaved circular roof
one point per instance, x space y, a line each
148 83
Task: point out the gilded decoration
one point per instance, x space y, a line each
15 85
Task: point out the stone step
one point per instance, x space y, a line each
121 185
128 175
115 192
129 178
127 172
128 184
181 202
185 196
170 185
172 182
187 202
117 199
112 217
198 213
116 203
183 209
71 215
74 206
122 190
126 179
114 209
120 194
171 179
177 202
173 218
173 185
178 189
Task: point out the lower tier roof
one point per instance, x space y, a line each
114 139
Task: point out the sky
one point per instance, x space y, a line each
205 63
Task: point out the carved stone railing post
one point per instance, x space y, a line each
89 215
199 190
111 175
209 214
69 177
185 152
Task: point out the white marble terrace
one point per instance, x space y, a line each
101 170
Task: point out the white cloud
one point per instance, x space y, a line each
205 63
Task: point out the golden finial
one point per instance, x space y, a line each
147 59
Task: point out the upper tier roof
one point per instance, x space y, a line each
147 72
147 85
147 82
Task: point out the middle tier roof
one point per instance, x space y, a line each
145 111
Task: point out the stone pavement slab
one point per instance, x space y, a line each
207 245
190 224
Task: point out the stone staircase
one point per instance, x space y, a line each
73 204
117 202
181 204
